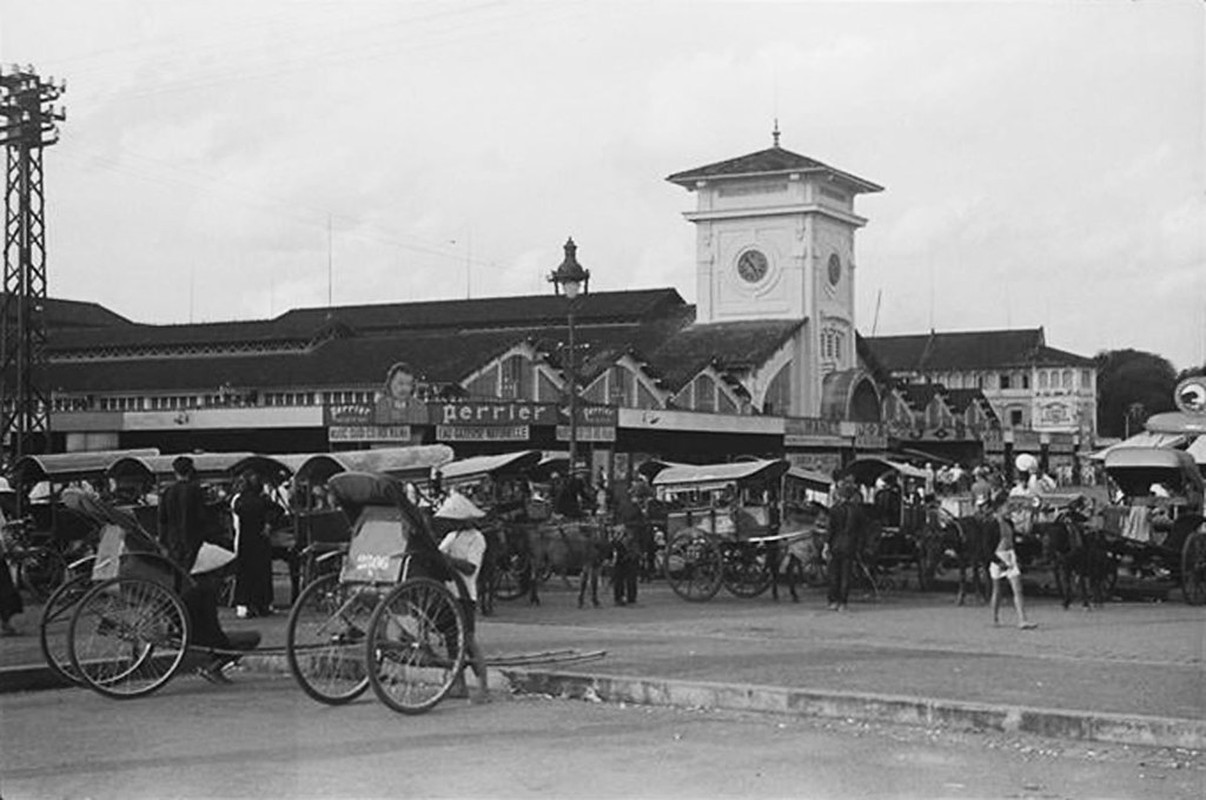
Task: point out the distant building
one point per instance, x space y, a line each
1045 398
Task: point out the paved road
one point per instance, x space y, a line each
1139 661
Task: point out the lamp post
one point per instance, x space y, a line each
571 279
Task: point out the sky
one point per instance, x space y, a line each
1044 163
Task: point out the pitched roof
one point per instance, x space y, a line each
63 314
773 160
966 350
734 346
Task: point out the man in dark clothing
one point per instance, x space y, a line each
847 530
181 530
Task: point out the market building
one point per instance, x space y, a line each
768 362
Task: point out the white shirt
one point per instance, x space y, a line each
469 545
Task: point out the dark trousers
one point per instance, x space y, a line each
625 575
841 570
10 598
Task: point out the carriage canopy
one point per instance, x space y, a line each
63 467
1135 470
400 462
868 470
387 527
468 469
210 466
707 477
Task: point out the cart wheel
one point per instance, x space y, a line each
694 567
55 622
128 637
416 645
1193 567
324 639
511 577
41 571
746 573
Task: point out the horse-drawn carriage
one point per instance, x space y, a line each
725 526
1156 530
897 538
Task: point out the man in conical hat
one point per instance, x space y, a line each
465 548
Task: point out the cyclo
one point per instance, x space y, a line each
722 526
387 618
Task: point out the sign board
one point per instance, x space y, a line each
870 436
347 414
369 433
468 413
483 433
587 433
812 431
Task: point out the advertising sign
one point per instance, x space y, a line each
369 433
471 413
811 431
587 433
483 433
347 414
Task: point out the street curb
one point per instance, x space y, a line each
1112 728
895 709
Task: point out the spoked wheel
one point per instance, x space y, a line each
325 636
511 577
1193 567
55 623
41 571
694 565
746 572
128 637
416 645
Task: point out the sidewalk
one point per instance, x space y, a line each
1131 672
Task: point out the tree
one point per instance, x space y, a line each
1131 386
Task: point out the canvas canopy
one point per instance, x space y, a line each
63 467
867 470
208 465
401 462
469 468
1143 439
714 476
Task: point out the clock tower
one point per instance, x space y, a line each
775 240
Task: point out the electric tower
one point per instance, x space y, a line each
27 125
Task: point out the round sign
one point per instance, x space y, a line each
1190 395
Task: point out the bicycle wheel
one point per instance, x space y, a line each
41 570
128 637
694 568
416 645
746 572
324 639
54 623
511 577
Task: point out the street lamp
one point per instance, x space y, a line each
571 279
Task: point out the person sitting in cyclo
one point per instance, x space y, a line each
465 548
181 525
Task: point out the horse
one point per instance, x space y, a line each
562 546
798 559
1071 549
972 540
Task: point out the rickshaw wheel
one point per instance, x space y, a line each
128 636
54 624
746 573
324 639
41 571
416 645
1193 567
694 566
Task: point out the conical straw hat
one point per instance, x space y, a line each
457 506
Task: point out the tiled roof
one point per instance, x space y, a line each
919 395
767 162
68 314
966 350
732 345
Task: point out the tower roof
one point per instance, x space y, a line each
772 161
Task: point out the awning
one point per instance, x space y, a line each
1197 449
1143 439
1176 422
400 462
815 480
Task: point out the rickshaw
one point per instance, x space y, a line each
498 485
130 629
386 618
42 538
1157 528
320 528
722 526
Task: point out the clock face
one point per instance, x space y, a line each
752 266
835 269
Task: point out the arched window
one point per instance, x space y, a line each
515 379
777 400
705 394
